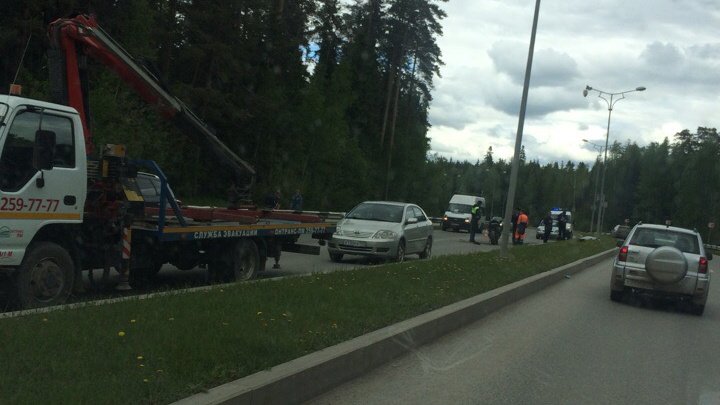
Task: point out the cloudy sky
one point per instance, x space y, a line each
671 47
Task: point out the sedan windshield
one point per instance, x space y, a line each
377 212
658 237
3 112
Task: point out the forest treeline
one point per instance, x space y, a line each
332 98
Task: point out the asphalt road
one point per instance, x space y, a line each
292 264
444 243
568 344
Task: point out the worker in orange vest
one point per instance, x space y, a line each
522 223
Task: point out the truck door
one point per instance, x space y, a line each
31 197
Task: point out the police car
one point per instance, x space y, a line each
554 233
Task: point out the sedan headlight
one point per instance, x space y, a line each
384 234
339 231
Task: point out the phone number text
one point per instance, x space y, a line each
28 204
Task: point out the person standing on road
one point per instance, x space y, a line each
522 223
562 222
297 201
547 223
476 213
513 221
272 201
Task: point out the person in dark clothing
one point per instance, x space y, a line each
233 196
513 221
297 201
476 213
547 223
272 201
562 222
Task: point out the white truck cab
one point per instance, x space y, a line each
43 173
458 216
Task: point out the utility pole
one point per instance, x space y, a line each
518 140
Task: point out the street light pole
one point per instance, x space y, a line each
610 103
599 149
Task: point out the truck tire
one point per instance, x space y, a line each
45 277
246 260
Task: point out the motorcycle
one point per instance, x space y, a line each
494 230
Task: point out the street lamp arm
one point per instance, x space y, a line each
612 101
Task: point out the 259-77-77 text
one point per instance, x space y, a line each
29 204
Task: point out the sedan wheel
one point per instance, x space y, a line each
400 255
335 257
425 254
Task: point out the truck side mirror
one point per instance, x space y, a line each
44 150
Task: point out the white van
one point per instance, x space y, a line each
457 215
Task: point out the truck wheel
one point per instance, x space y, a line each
45 277
246 260
425 254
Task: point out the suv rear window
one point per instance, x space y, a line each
654 238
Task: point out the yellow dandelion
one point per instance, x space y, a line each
121 333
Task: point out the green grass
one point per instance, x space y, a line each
178 345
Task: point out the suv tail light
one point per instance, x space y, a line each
622 256
703 265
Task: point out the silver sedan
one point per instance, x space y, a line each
383 229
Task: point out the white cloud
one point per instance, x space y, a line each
672 49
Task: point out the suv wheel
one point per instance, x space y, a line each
697 309
617 296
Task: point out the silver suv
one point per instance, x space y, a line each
662 260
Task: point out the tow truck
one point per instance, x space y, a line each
67 206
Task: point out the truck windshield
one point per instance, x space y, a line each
459 208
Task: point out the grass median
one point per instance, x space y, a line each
163 349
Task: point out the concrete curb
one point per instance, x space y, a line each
306 377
